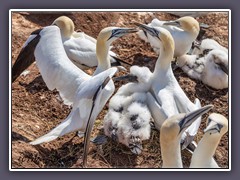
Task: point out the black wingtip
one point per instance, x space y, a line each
26 56
119 62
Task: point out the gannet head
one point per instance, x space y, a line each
217 125
187 23
163 35
219 59
65 25
109 34
174 126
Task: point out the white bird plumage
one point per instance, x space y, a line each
217 126
183 30
170 136
80 47
88 94
165 96
211 68
207 45
128 119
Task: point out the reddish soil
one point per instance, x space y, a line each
36 110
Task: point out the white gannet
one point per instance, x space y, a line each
128 119
206 46
165 97
80 48
88 94
211 68
217 126
192 65
183 30
170 136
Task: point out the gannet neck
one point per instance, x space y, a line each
163 63
65 25
171 153
205 149
102 51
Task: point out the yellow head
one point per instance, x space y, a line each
217 125
65 25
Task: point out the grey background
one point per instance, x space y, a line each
105 4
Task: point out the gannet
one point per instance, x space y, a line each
206 46
211 68
165 96
88 94
170 136
128 120
217 126
80 48
183 30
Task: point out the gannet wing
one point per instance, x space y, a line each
26 55
57 70
81 51
157 112
82 107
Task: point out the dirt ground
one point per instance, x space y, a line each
36 110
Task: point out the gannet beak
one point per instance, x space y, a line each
223 67
119 32
129 78
152 31
172 23
192 116
213 127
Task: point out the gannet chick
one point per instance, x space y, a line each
183 30
206 46
192 65
211 69
134 126
170 136
128 120
88 94
80 47
217 126
165 96
215 73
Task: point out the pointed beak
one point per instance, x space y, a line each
128 78
172 23
192 116
223 68
119 32
152 31
213 127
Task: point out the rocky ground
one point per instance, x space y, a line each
36 110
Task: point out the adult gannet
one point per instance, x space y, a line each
211 68
217 126
183 30
80 48
165 97
88 94
170 136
